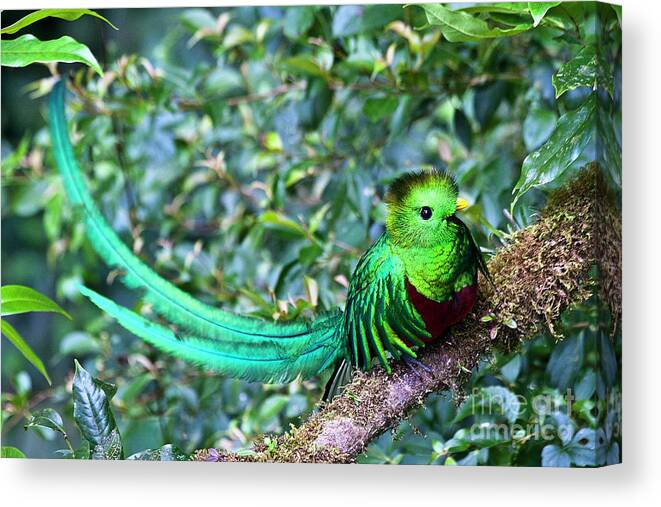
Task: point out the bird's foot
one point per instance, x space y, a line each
416 366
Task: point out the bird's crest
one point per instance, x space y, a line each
400 188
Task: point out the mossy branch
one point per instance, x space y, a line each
540 273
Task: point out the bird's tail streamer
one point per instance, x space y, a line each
235 345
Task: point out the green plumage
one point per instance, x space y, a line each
423 244
257 359
378 312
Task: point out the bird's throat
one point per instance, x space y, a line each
439 272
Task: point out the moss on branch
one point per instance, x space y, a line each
544 268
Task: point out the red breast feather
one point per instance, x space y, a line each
438 317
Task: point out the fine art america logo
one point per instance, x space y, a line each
497 415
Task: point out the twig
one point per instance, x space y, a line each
245 99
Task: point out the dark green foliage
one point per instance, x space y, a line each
243 154
96 422
166 453
91 411
17 299
12 452
27 49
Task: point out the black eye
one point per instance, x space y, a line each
425 212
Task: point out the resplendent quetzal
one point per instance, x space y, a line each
418 279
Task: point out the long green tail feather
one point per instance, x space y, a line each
262 361
214 328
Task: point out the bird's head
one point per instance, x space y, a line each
422 207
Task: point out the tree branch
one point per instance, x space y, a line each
545 268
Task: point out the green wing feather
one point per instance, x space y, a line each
213 327
379 317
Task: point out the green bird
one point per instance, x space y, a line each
418 279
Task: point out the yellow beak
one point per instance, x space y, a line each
462 204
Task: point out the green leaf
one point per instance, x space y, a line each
608 359
473 458
132 389
587 68
11 452
584 389
308 254
107 387
223 82
20 299
66 14
13 160
82 452
539 9
565 362
486 100
77 343
91 411
511 370
400 118
272 406
22 383
273 142
198 18
304 64
237 35
618 12
499 7
458 443
280 223
298 20
588 447
564 426
22 346
318 99
109 448
555 456
492 400
538 126
28 49
311 290
53 216
613 454
462 128
296 405
458 26
609 151
47 418
166 453
363 19
317 218
587 411
573 133
376 108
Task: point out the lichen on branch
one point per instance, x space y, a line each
541 272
